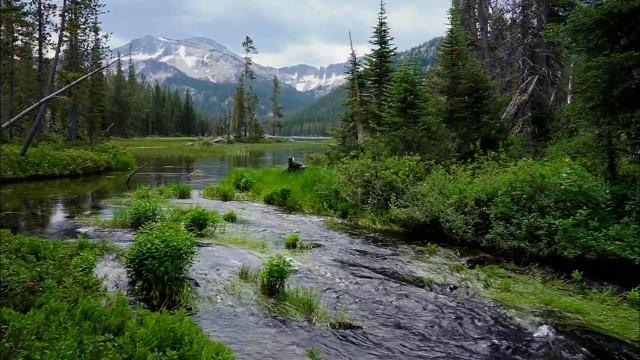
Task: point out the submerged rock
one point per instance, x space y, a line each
545 331
198 174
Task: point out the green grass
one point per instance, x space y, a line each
243 240
56 160
54 307
173 147
313 190
230 217
528 293
291 241
302 304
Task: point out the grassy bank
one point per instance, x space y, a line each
58 160
186 146
53 304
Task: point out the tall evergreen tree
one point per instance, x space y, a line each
462 95
406 125
378 68
118 109
605 40
276 108
351 133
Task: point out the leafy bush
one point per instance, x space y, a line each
291 241
280 198
175 190
158 262
143 211
243 182
54 305
197 220
222 192
372 182
274 275
46 160
633 297
230 216
530 208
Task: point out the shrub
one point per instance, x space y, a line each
230 216
54 305
633 297
158 262
197 220
222 192
175 190
372 182
279 198
243 182
143 211
291 241
274 275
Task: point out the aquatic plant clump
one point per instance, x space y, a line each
144 211
292 241
274 275
230 217
158 262
177 190
197 220
221 192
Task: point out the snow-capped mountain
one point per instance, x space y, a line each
200 58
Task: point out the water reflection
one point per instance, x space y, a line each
46 207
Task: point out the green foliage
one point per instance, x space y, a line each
198 220
274 275
280 198
222 192
292 241
530 208
177 190
461 95
247 274
576 276
300 304
313 354
158 262
406 126
633 297
430 250
242 181
533 291
230 216
51 160
142 211
53 304
371 183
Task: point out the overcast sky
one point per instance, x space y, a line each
286 32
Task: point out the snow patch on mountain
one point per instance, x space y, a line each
205 59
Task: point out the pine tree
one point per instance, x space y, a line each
407 126
462 95
378 68
97 84
351 133
276 108
604 40
119 109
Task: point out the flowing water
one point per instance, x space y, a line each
377 282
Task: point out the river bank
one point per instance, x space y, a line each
46 161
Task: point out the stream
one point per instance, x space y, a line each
376 281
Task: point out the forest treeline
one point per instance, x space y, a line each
523 139
113 102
